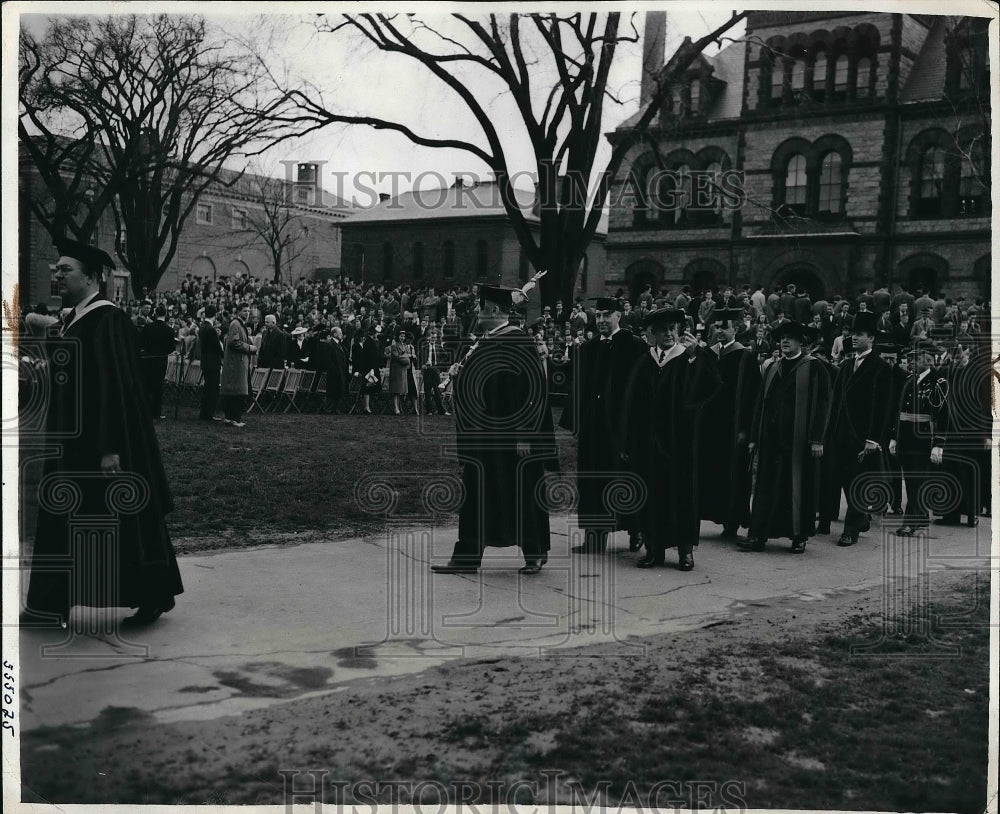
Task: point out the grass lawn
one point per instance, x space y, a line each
289 472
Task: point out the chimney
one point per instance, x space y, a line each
307 173
383 197
654 40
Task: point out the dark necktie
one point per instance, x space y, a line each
662 353
69 318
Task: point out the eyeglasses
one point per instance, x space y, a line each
63 269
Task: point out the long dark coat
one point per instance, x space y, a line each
501 398
597 398
792 413
724 459
101 540
661 421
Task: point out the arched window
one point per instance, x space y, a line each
930 182
418 261
798 74
448 259
819 75
795 184
970 187
840 73
676 101
387 261
666 196
864 77
695 95
482 258
777 79
831 184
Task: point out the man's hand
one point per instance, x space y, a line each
871 446
690 342
741 439
937 455
752 446
523 449
817 450
110 464
892 447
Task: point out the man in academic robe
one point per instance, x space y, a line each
209 348
724 460
273 351
664 400
157 341
337 377
920 432
103 500
505 440
787 434
860 411
602 368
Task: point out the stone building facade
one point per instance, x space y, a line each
450 237
860 142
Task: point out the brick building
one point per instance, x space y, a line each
860 139
448 237
218 238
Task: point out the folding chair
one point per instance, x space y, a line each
257 381
304 391
319 391
272 388
172 375
192 380
289 389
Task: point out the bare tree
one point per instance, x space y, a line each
135 115
269 219
563 122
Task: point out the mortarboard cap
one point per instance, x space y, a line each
90 256
606 304
664 317
721 315
796 330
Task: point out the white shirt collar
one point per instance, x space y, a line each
923 375
616 330
792 358
730 342
85 302
861 357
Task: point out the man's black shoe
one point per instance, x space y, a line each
752 544
685 561
949 520
48 621
454 568
531 567
649 561
147 614
972 521
798 545
847 540
635 541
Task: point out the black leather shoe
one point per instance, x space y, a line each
972 521
905 531
847 540
48 621
752 544
949 520
685 561
649 562
454 568
147 614
798 545
635 541
531 567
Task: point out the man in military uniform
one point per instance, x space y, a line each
505 439
921 425
859 416
724 465
594 413
666 394
787 433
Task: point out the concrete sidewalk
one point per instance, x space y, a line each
262 626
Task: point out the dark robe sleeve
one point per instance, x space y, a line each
819 418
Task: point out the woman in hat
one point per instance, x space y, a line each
401 380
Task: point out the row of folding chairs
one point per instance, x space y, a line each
280 389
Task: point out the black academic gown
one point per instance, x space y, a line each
861 408
661 422
101 540
602 369
966 457
792 414
724 461
501 398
